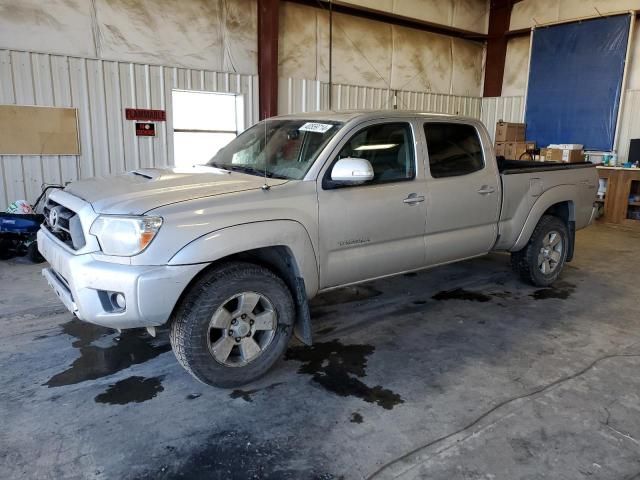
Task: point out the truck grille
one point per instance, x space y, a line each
64 224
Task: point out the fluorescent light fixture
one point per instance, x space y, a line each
380 146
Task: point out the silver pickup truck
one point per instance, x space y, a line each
228 254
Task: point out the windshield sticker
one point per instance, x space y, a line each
315 127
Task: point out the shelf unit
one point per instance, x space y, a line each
622 199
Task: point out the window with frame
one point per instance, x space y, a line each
454 149
203 123
389 149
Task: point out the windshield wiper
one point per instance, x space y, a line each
253 171
217 165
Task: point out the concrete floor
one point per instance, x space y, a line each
409 378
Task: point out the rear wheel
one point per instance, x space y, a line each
542 260
233 324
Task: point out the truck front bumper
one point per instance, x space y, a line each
87 286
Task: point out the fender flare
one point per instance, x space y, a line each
227 241
244 238
553 196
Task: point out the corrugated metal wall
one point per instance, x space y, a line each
494 109
100 90
299 95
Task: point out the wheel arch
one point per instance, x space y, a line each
283 246
558 202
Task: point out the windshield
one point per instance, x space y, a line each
281 148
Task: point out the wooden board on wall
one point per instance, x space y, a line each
26 130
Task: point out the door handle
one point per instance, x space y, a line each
486 189
413 198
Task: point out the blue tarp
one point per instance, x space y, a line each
575 82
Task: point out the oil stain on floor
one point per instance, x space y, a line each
338 368
131 390
461 294
103 352
235 455
247 395
560 290
356 418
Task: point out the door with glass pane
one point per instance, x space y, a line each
203 123
463 193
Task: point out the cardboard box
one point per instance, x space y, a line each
561 155
514 150
500 149
509 132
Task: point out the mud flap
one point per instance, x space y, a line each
302 328
572 240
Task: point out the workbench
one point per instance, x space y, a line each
622 199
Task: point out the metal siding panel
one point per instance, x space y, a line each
69 168
98 113
22 78
33 176
14 182
6 78
156 95
114 116
42 79
61 83
80 100
45 95
301 95
128 95
143 100
170 82
494 109
3 184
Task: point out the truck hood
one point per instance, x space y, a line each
142 190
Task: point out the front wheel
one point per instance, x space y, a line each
233 324
542 260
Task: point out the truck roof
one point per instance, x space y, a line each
347 115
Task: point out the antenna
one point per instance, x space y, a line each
330 54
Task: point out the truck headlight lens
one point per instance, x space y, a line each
125 236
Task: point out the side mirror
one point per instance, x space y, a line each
352 170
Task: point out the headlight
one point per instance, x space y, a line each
125 236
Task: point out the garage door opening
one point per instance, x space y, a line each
203 123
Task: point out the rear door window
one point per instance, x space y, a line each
454 149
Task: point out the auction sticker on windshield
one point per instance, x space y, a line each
315 127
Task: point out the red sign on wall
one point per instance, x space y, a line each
145 114
145 129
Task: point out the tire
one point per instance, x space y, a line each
526 262
33 254
200 344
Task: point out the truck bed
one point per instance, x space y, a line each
524 184
510 167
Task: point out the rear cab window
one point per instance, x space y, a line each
454 149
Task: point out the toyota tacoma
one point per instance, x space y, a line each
228 254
